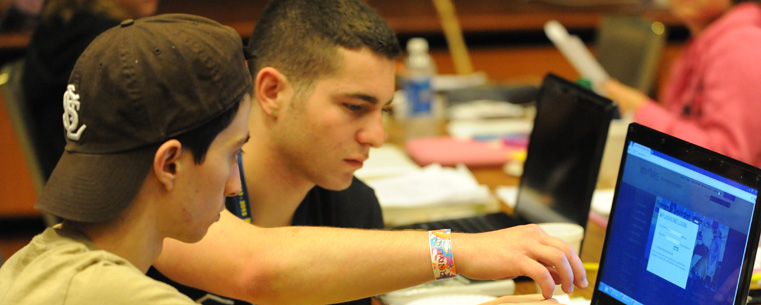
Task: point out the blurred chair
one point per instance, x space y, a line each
12 95
629 48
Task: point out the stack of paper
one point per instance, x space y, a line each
387 161
409 193
433 185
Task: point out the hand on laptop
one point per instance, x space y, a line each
516 251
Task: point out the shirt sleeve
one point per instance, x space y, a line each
119 284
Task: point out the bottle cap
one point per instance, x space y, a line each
417 44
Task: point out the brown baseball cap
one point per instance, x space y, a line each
135 86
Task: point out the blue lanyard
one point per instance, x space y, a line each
242 204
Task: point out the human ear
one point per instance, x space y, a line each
269 88
166 163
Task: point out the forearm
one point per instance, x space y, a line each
313 265
298 265
628 99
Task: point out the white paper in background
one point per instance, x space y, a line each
565 299
386 161
602 201
499 127
443 82
507 194
432 185
485 109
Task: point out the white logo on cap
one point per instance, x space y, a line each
70 115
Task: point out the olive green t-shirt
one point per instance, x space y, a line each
64 267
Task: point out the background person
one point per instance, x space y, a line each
711 98
65 29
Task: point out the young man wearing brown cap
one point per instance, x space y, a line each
155 115
324 71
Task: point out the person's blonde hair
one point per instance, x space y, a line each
65 9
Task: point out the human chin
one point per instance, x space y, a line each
338 182
197 236
192 234
203 227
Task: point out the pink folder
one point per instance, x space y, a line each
449 151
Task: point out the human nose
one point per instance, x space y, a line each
233 186
373 133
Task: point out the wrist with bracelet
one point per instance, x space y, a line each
442 258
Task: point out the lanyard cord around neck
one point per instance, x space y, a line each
242 205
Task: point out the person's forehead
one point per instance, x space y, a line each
368 89
361 55
365 70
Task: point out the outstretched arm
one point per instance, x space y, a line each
318 265
297 265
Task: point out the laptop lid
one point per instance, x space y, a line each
683 228
564 153
562 161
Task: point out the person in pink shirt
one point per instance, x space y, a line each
713 96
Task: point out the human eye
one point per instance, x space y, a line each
359 109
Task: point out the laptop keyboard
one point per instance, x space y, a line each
474 224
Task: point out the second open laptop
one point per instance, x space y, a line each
562 163
684 226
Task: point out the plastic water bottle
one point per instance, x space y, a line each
420 93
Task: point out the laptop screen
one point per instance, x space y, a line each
564 153
681 230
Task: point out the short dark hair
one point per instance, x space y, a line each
300 37
198 140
